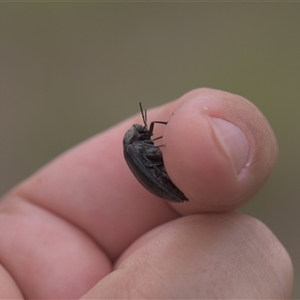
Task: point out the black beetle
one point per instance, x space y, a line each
146 162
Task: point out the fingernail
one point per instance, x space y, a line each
233 141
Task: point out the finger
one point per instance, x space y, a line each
219 150
45 255
92 187
225 256
8 287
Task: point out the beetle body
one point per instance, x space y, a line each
146 162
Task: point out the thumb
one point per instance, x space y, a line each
219 150
217 256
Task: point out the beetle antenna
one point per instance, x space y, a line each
144 114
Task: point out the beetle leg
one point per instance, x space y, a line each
157 138
154 157
152 126
158 166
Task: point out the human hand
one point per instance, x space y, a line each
84 226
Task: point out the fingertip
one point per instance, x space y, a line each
219 150
220 256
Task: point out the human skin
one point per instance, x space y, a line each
82 226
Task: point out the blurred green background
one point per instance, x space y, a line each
71 70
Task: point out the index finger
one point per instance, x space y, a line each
92 187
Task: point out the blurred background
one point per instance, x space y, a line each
71 70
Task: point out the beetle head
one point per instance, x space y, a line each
136 132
